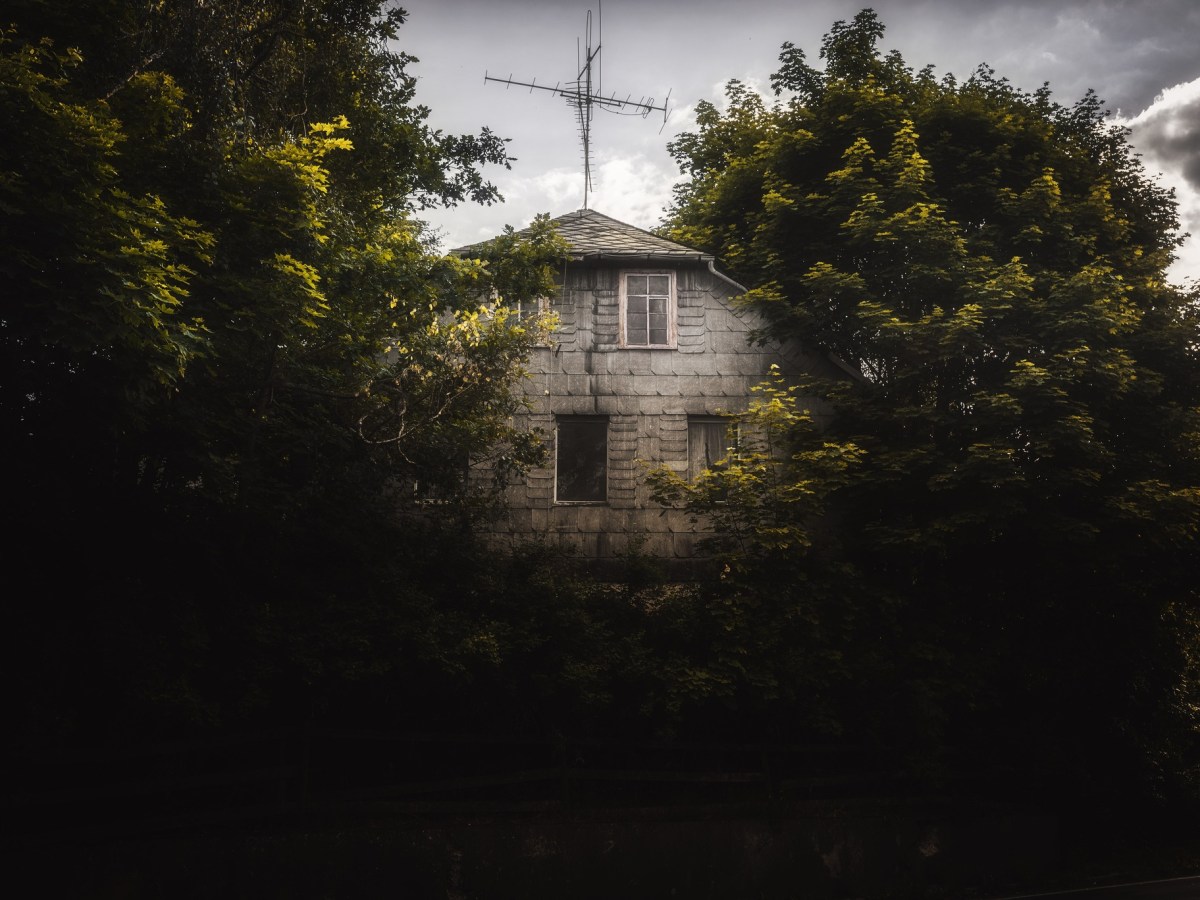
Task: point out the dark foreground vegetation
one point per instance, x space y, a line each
231 361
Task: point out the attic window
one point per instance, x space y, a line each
531 308
648 309
521 309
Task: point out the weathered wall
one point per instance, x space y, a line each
647 394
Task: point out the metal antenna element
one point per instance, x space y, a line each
584 94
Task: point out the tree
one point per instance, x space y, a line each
1028 484
209 231
227 336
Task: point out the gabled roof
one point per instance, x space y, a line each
593 235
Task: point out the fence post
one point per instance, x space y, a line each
306 763
283 769
768 774
564 771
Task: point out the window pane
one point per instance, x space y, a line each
636 329
709 441
582 456
658 329
647 310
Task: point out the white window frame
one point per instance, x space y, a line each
672 310
528 310
532 308
521 310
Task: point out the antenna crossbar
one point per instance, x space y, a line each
577 93
583 97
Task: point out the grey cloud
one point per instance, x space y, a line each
1171 135
1126 50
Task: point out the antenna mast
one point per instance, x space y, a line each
585 93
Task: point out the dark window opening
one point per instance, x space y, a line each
582 460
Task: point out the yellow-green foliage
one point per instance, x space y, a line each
768 494
1024 465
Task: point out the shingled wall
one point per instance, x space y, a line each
647 395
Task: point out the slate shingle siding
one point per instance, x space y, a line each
647 394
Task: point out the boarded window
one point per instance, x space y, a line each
710 440
582 460
648 309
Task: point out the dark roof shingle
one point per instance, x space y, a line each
593 235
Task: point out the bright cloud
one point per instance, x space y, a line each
633 189
1167 134
1169 129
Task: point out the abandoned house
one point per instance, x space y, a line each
649 355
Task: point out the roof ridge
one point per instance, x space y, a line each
588 211
593 234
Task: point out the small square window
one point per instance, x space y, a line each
522 309
530 309
581 460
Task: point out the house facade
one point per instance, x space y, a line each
649 357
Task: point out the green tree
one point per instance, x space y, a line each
227 337
1027 485
232 187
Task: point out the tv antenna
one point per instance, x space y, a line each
585 93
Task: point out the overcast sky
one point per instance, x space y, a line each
1140 56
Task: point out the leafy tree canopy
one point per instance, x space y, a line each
1018 470
226 334
210 249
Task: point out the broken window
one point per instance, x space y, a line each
710 441
648 309
581 460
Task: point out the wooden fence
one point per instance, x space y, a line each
149 788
